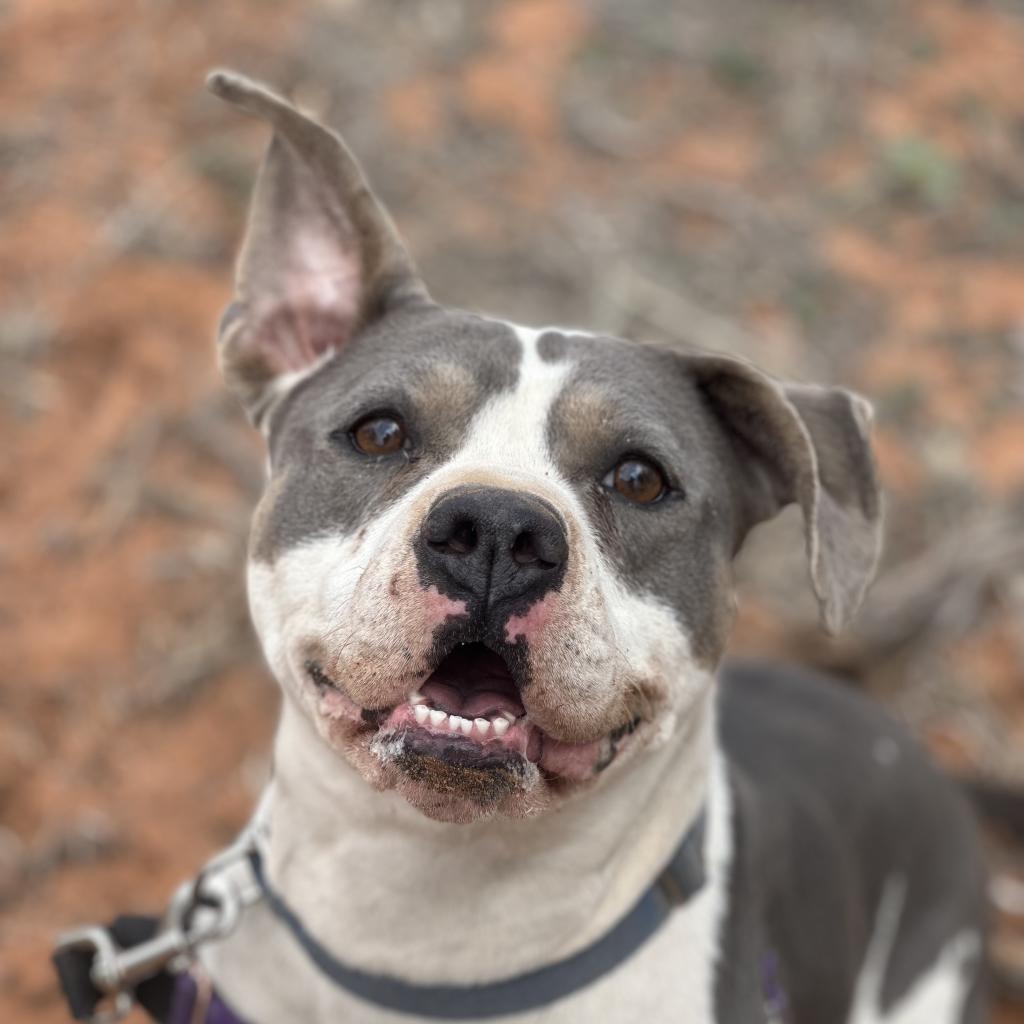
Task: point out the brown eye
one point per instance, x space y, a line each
379 435
639 480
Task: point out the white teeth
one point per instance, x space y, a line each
416 698
457 723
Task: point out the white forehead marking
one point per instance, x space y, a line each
510 431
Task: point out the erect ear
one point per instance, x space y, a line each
321 257
809 445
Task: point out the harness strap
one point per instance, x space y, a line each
683 878
197 1002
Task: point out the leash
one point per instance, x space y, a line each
105 971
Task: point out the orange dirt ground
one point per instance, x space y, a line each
837 193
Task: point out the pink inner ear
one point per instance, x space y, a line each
324 271
312 306
293 338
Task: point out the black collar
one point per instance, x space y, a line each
682 878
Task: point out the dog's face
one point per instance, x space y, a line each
493 564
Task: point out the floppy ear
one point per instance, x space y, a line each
808 445
321 257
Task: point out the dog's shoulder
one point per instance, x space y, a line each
814 752
838 805
775 713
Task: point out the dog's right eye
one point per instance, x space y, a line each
637 479
378 435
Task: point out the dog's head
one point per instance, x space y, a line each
493 564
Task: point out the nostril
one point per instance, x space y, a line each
461 541
525 551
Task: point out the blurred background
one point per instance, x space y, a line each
834 190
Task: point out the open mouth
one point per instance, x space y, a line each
471 694
469 714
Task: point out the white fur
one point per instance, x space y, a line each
936 997
508 433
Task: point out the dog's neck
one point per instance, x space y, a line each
390 891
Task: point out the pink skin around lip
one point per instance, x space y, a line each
576 761
440 607
529 625
336 704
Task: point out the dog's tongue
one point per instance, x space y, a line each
472 703
473 682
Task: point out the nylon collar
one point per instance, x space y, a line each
682 879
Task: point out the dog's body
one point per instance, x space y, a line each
491 572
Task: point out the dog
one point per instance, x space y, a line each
491 572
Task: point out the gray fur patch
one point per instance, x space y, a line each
433 367
625 399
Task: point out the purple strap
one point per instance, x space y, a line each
196 1002
774 995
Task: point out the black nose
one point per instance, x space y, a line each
495 546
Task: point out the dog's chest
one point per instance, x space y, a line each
267 979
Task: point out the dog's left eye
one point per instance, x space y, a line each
637 479
378 435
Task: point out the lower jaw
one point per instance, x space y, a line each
453 775
456 780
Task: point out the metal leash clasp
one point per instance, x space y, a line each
202 910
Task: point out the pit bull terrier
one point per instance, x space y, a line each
491 573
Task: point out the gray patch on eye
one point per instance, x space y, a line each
626 398
432 366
